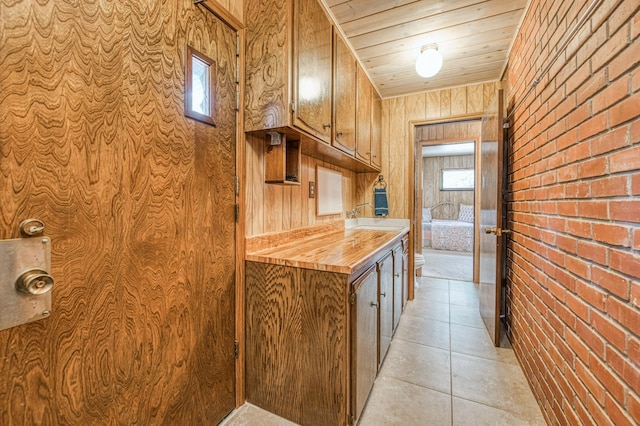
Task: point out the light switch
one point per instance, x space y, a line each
312 190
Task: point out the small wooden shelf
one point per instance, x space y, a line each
282 160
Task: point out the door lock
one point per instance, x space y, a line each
35 281
497 231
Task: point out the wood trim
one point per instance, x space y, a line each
413 194
241 172
221 12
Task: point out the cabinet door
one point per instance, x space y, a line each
385 318
363 118
364 339
405 278
344 94
397 286
312 69
376 135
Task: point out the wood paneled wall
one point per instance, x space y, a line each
138 202
431 183
275 208
398 144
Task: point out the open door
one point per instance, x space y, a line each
491 216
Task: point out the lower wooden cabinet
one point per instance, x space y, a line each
315 339
398 285
385 312
364 339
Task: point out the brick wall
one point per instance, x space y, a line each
573 290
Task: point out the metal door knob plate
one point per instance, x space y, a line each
35 281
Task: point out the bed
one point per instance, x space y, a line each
443 234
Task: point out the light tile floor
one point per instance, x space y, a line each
441 369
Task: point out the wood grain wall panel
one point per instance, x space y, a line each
415 107
397 159
474 97
433 105
445 103
138 202
459 101
276 208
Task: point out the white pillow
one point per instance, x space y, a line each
426 214
466 213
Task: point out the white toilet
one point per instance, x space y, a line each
418 261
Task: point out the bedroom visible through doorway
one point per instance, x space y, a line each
446 199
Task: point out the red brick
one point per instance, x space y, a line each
634 295
578 190
610 187
616 414
607 378
577 306
625 61
623 368
568 317
614 283
591 168
567 173
579 348
633 406
567 208
577 116
611 234
595 387
594 84
579 228
592 295
625 262
625 110
616 43
591 251
566 243
634 350
626 211
635 184
625 160
578 267
635 132
613 93
597 412
609 330
593 126
625 314
593 209
610 141
578 152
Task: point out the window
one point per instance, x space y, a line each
457 179
199 87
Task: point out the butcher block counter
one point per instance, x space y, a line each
319 302
341 250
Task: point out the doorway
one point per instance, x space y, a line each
446 195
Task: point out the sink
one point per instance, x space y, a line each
377 224
379 227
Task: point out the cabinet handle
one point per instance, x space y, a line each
369 153
396 275
374 304
339 134
326 126
383 294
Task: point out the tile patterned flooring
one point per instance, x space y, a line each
441 369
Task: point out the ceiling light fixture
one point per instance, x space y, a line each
429 62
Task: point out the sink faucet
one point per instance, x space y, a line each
355 212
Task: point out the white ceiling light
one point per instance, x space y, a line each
429 62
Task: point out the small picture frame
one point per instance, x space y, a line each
199 86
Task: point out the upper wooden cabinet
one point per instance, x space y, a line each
300 80
376 134
312 69
364 116
344 95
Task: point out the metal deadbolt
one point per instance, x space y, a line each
35 281
31 227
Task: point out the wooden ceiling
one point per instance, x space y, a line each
473 36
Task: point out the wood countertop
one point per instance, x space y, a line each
345 251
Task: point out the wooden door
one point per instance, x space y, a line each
385 300
363 117
312 69
344 95
139 204
491 217
364 338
